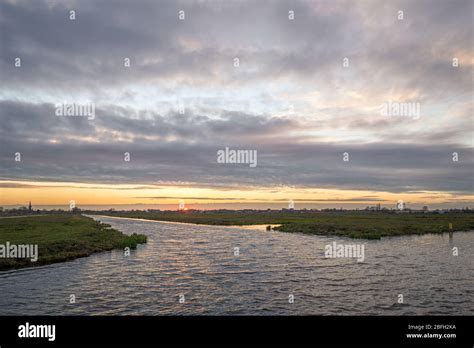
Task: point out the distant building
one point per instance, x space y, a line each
425 208
376 207
29 206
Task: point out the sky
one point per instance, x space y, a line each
304 84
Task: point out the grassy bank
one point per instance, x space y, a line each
363 224
61 238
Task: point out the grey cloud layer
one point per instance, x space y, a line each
88 52
168 148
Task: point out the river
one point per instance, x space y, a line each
249 271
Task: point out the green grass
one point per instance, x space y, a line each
377 225
61 238
367 225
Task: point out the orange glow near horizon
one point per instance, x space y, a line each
56 193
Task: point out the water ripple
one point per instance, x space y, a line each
198 262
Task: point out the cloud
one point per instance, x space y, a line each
87 54
354 199
169 148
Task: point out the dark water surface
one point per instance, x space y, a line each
199 262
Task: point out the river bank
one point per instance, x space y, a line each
366 225
57 238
